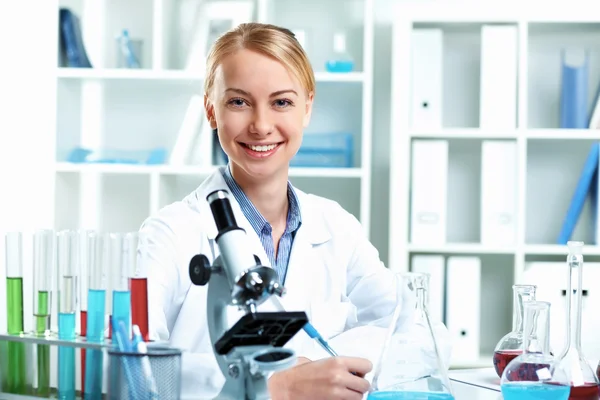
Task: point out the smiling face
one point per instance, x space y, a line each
260 110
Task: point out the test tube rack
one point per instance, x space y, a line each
29 340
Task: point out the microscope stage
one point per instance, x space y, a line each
262 329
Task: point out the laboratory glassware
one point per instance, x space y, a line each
534 374
43 271
16 378
97 252
138 282
68 268
511 345
582 378
411 364
83 283
121 296
341 60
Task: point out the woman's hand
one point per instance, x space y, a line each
326 379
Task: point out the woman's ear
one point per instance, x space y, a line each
210 112
308 109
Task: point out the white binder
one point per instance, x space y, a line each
426 79
498 192
498 91
429 181
463 307
434 265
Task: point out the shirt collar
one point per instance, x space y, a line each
258 222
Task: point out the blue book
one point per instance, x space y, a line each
584 187
574 90
71 41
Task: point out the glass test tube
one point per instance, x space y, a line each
121 296
83 294
43 266
14 282
43 270
67 265
16 378
138 282
96 253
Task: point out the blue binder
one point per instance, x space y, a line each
574 92
584 187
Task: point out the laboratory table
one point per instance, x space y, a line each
475 384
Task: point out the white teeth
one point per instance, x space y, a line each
262 148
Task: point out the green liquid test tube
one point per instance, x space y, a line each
16 378
43 270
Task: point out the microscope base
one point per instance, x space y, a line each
249 369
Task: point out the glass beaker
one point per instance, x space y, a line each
534 374
411 365
583 380
511 345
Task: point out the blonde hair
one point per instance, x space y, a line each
269 40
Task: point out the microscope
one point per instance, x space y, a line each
253 347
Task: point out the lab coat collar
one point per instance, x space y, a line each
313 227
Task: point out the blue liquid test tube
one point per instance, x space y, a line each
97 263
68 264
121 295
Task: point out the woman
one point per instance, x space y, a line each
259 93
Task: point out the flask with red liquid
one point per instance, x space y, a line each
511 345
534 374
582 378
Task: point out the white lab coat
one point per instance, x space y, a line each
334 275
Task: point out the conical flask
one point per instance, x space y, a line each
511 345
534 374
580 375
411 365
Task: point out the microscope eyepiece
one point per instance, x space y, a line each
221 210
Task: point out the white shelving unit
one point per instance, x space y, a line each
549 159
142 108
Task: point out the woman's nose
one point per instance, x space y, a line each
261 124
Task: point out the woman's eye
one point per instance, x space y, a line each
237 102
282 103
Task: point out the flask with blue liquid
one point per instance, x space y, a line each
411 364
341 61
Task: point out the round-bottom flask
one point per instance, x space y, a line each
534 374
511 345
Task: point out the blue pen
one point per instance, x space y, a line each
139 345
314 334
123 344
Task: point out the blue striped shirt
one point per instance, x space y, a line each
262 227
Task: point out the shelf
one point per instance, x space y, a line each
556 249
126 169
476 248
118 73
339 77
460 248
149 74
563 134
466 133
475 12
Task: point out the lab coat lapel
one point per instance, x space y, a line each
304 263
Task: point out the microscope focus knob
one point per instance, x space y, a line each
200 270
